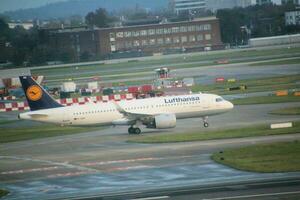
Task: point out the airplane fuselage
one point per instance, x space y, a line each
106 113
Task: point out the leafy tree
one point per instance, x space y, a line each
4 30
261 21
98 18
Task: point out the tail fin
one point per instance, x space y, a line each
37 97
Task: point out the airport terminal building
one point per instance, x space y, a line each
196 35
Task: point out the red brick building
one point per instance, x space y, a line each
197 35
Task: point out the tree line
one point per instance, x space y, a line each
239 24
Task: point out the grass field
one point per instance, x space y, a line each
260 130
253 85
276 157
180 61
4 122
265 100
42 131
287 111
3 192
284 62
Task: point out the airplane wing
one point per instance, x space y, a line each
130 115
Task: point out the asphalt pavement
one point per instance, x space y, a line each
102 164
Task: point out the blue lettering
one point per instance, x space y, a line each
181 99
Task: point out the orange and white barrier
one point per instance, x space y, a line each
297 94
19 106
282 93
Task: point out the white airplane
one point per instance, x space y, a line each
156 113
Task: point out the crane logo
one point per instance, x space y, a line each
34 93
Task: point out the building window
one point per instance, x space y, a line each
192 38
207 27
183 29
152 42
128 44
159 31
120 34
167 30
199 28
207 36
143 32
183 39
191 28
127 34
160 41
176 40
112 35
136 33
144 43
151 32
175 29
199 37
136 43
113 48
119 45
168 40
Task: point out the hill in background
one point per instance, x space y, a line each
81 7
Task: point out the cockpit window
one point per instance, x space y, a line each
219 99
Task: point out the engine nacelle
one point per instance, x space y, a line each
162 121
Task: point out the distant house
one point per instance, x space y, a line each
25 25
292 18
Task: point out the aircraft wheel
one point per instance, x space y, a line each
137 131
206 124
131 130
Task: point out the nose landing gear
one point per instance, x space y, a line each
205 123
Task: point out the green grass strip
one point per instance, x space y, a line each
260 130
281 62
275 157
287 111
265 100
254 85
3 192
28 133
5 122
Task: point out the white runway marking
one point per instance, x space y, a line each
255 195
63 164
21 171
153 198
132 160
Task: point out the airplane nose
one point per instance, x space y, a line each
229 105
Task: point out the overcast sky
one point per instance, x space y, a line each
7 5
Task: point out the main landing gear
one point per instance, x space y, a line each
134 130
205 123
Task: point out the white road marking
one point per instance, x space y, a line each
153 198
63 164
21 171
255 195
132 160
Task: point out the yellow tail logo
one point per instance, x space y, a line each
34 93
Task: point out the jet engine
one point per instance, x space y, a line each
162 121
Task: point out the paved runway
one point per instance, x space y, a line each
103 163
207 75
